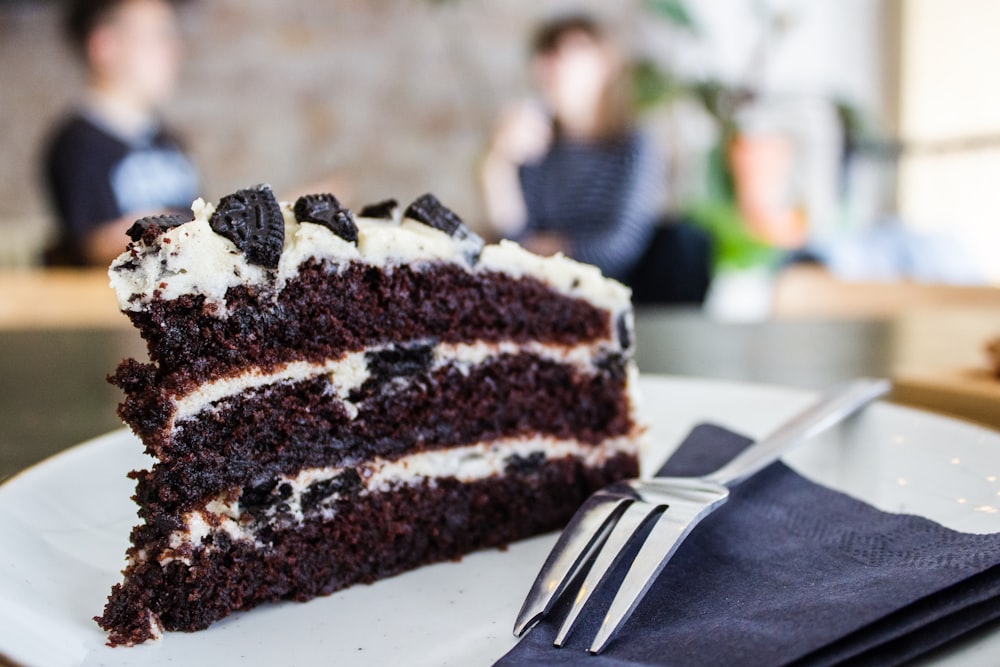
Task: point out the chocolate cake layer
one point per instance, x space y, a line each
281 429
371 536
327 310
403 406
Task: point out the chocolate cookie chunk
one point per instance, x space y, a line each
428 210
150 227
400 360
324 209
252 219
346 482
382 209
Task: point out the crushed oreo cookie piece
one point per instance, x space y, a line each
614 364
257 498
524 464
324 209
220 540
148 228
252 219
428 210
345 483
624 331
389 365
399 360
381 210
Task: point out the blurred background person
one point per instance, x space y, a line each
572 173
111 160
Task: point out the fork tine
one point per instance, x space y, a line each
611 552
576 546
685 511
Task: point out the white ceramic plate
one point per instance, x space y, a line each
64 527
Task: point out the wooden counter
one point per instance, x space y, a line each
58 299
809 291
940 362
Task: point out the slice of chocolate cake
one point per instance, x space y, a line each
332 400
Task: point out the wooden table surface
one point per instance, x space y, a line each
58 299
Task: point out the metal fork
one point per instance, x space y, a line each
611 518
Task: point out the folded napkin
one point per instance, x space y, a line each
789 572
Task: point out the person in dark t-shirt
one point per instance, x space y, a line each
111 161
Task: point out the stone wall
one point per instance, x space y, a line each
393 97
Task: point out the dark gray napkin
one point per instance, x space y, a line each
791 572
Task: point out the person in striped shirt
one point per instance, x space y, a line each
575 175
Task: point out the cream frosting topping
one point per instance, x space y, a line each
192 259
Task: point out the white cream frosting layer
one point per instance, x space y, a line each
468 463
193 259
345 374
351 370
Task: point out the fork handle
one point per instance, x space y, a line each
832 408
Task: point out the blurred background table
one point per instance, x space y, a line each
61 334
